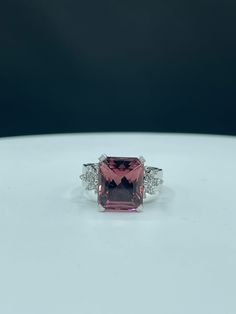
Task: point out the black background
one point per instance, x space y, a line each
79 66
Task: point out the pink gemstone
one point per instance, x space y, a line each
120 184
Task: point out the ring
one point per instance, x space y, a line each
121 183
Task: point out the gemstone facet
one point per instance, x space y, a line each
120 184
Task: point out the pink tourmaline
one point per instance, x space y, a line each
120 183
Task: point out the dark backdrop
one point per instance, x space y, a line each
124 65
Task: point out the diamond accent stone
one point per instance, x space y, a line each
90 176
152 180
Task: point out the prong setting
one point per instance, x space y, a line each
142 160
102 157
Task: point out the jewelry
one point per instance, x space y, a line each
121 183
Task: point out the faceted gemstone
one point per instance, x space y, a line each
120 183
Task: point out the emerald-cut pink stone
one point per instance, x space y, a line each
120 184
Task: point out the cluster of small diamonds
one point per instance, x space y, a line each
152 180
90 176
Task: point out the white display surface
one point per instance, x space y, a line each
58 254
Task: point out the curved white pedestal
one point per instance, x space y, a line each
58 254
